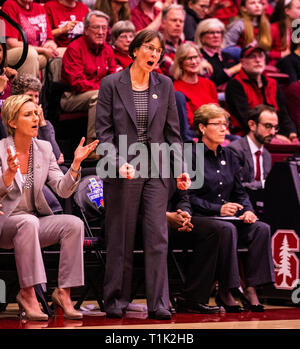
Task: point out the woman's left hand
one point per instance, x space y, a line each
183 181
82 152
248 217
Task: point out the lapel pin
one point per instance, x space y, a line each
223 162
38 166
154 96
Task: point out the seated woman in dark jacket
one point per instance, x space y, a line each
209 37
222 198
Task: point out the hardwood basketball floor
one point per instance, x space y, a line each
275 317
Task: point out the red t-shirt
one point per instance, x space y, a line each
83 68
203 92
34 22
122 59
226 13
59 15
140 19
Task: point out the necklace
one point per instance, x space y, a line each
29 179
139 86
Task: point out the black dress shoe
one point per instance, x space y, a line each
228 308
160 314
114 314
184 306
255 308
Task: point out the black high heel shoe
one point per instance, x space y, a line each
228 308
255 308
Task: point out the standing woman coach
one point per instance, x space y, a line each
140 104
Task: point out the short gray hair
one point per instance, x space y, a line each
121 27
206 25
25 82
87 18
166 10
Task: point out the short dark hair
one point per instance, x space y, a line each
255 112
145 36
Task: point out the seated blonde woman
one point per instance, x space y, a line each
209 37
192 90
26 165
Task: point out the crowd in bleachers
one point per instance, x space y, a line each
235 54
217 29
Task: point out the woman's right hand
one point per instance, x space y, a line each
127 171
1 211
13 165
230 209
3 82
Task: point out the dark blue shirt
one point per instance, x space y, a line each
221 184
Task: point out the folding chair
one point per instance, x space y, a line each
89 206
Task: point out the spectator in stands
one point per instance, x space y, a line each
172 26
197 90
250 87
224 10
210 38
285 12
117 10
254 159
33 19
191 232
28 223
30 85
290 64
86 61
222 195
251 26
146 16
66 20
7 76
123 32
196 10
268 8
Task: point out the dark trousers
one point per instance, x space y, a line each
124 200
258 263
201 266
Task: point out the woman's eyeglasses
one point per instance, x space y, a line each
153 49
214 32
219 124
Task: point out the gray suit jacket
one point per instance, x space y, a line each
45 170
116 114
241 150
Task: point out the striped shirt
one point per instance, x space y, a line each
141 102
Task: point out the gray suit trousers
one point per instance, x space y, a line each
27 233
124 200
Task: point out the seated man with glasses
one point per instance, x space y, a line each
86 61
250 87
254 159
